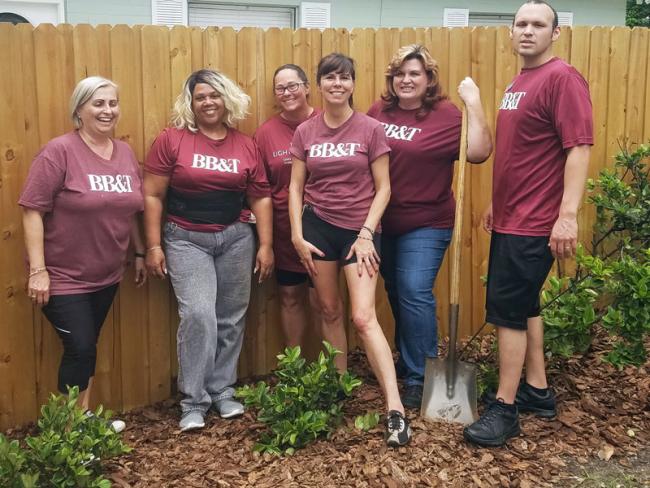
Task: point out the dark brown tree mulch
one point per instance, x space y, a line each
604 417
604 420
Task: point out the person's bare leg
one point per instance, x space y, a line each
364 317
293 313
84 396
326 283
512 353
314 305
535 366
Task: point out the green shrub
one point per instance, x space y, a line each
67 450
610 285
303 405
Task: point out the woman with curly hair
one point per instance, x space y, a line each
423 130
203 169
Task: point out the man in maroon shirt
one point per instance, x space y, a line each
543 139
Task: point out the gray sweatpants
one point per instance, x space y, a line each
211 276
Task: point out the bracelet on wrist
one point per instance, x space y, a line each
372 232
153 248
139 255
36 271
364 238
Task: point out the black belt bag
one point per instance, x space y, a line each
216 207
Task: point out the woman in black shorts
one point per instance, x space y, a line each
340 167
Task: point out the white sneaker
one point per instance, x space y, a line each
117 425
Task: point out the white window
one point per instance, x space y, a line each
35 11
169 12
455 17
486 18
315 15
565 18
205 14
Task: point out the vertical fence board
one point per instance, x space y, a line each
53 48
17 363
619 55
483 73
157 100
637 68
598 78
335 40
460 53
132 317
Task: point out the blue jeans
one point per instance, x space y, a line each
409 265
211 276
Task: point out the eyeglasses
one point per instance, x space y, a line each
291 87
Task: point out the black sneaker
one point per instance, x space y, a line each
498 423
412 396
398 430
530 399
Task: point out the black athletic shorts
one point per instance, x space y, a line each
517 270
284 277
334 241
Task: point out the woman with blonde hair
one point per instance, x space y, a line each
423 130
339 189
204 169
80 204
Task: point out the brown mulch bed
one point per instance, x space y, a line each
604 418
603 421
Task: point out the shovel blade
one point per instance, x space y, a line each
436 402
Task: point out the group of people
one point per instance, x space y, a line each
329 189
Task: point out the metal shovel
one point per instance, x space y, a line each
449 391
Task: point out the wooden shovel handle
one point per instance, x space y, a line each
458 225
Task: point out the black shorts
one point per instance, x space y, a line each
334 241
517 271
284 277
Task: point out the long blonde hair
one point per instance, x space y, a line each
235 100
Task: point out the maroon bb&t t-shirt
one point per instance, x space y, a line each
88 203
339 185
197 164
544 111
273 138
422 158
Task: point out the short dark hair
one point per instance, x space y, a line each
556 20
335 63
294 67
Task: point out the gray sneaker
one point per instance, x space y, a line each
192 420
228 407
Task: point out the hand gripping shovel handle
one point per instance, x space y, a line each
455 260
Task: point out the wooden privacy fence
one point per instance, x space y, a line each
137 360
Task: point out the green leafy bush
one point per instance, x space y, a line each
303 405
610 285
66 452
367 421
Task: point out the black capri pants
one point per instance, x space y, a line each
78 320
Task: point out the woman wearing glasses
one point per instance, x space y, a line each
291 88
340 165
